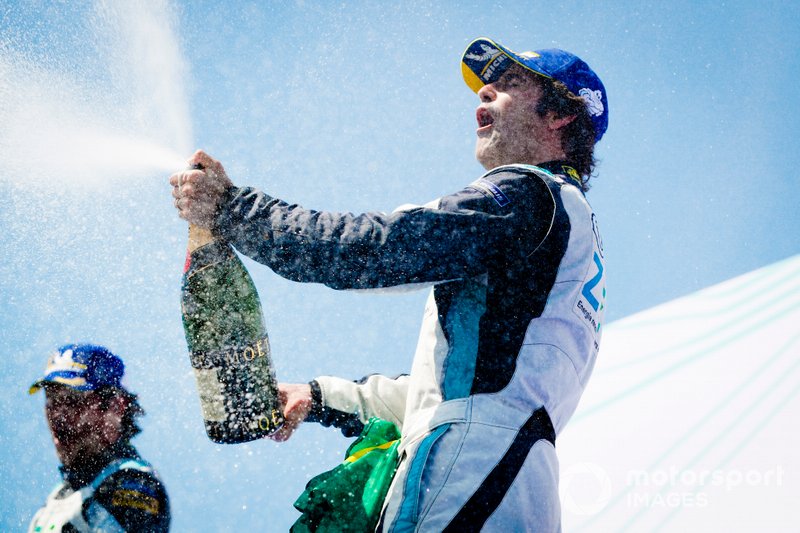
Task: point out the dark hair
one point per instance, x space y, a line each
577 137
133 410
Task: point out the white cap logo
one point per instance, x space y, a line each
488 53
594 101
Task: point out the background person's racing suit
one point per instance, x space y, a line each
117 493
508 341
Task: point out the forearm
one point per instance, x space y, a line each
346 251
348 405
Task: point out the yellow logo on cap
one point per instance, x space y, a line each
72 382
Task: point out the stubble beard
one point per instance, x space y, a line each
488 149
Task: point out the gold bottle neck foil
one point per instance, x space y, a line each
198 237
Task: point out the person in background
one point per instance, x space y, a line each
512 327
106 485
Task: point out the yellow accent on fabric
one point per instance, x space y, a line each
488 63
74 382
572 173
475 83
471 79
199 237
528 54
360 453
70 381
59 366
135 500
350 497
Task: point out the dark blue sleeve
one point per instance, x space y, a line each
505 210
136 499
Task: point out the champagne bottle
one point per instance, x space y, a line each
228 343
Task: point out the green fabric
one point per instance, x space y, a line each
350 497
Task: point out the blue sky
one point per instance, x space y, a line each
346 106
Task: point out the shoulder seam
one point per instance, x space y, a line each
552 213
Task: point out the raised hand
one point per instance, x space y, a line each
199 189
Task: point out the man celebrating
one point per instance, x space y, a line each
92 417
513 323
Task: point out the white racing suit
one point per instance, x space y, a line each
509 337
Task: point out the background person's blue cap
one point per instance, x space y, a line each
484 61
83 367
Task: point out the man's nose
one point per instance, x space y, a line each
487 93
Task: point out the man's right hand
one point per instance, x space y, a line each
198 191
296 401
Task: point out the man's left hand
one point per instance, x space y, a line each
296 401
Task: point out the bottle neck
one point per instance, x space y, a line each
199 237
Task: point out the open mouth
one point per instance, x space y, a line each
485 119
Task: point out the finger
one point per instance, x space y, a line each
286 431
202 158
196 184
213 167
179 178
192 176
179 204
194 159
182 202
281 435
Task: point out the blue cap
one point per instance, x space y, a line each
83 367
484 61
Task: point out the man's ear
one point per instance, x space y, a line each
556 123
